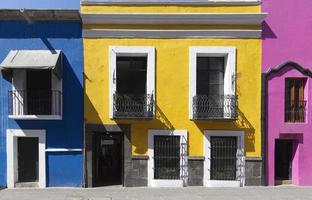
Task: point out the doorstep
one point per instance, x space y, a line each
27 185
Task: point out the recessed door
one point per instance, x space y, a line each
283 159
28 165
108 159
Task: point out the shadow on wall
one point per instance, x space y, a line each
241 123
267 32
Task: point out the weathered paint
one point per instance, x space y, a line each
287 37
64 168
172 90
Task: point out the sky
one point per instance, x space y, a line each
39 4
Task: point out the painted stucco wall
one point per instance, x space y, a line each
172 81
63 168
286 36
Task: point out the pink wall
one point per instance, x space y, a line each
287 32
287 35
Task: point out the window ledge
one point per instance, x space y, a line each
36 117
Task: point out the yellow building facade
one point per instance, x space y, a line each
172 42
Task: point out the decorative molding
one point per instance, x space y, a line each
174 18
300 68
134 33
63 150
170 2
253 159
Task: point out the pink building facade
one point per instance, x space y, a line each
287 86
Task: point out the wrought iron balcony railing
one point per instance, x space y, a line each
215 107
295 111
133 106
35 102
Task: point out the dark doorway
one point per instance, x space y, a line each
39 94
108 159
28 168
283 160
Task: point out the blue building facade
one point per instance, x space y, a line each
60 158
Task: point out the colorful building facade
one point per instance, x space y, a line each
172 93
286 91
41 98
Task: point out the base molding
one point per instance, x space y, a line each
254 171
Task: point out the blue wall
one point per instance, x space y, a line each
63 168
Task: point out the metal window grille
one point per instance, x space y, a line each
223 158
167 157
295 111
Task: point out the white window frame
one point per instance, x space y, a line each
115 51
229 53
12 157
183 161
240 163
19 83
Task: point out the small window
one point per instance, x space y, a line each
210 76
294 100
131 75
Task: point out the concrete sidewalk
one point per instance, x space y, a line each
189 193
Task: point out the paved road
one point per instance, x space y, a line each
189 193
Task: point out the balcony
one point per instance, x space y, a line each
295 111
215 107
133 106
36 104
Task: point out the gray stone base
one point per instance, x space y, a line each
137 176
254 172
195 170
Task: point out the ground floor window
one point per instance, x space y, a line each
167 157
224 163
167 150
223 158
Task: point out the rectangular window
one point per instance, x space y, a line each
210 76
131 75
132 82
294 100
223 158
167 157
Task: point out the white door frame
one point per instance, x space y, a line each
12 160
183 161
240 163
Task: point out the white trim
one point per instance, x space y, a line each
240 173
12 166
183 161
36 117
174 18
115 51
62 150
229 53
158 33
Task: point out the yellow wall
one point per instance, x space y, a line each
172 77
172 90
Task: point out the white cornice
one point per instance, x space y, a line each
134 33
174 18
170 2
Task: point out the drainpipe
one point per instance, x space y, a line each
26 16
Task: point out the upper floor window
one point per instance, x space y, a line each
212 83
132 82
295 103
36 84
